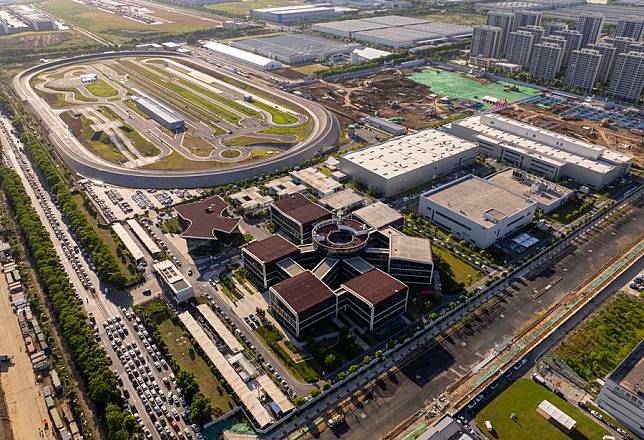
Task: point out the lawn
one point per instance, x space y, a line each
244 141
457 18
310 69
242 8
102 89
596 347
98 144
119 29
301 370
570 211
196 145
176 161
184 355
278 116
300 131
522 398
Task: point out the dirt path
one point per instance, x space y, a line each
26 408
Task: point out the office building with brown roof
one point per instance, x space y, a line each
301 301
260 259
206 221
373 297
296 215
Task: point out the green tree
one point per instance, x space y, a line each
186 381
379 354
366 360
201 409
121 425
342 375
299 401
326 385
353 368
329 360
315 392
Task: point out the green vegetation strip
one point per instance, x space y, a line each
244 141
277 115
300 131
102 89
602 342
522 398
301 370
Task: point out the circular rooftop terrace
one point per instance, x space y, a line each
340 238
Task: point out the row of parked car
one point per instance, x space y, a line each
106 210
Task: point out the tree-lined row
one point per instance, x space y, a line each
89 357
107 266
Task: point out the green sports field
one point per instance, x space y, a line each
457 85
522 398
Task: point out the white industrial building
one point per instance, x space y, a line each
543 152
409 161
243 56
300 13
179 287
367 54
477 210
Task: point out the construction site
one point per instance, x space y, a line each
616 129
389 94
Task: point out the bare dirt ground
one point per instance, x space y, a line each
625 141
24 401
387 94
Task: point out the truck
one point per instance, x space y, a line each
488 426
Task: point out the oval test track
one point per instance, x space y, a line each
325 133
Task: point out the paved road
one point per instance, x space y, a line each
428 376
203 287
99 304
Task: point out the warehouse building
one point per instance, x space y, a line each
160 113
385 125
543 152
180 289
296 215
556 416
621 394
243 56
36 20
476 210
394 31
298 14
296 49
407 162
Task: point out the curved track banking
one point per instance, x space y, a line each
324 133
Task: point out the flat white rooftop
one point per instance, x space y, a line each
404 154
590 156
315 179
241 54
478 200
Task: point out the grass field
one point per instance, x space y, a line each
49 40
457 85
522 398
176 161
278 116
243 141
184 354
242 8
457 18
119 29
98 145
300 131
102 89
455 271
310 69
596 347
197 146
